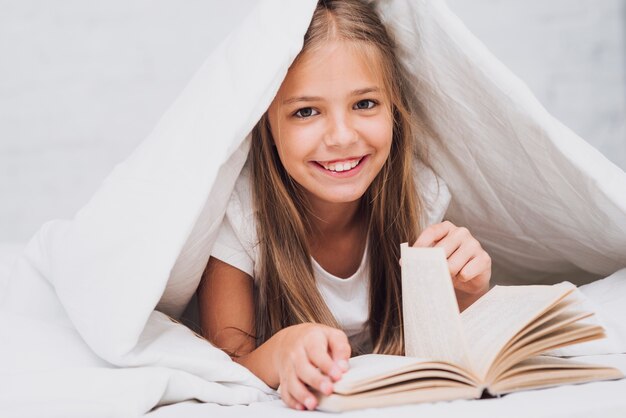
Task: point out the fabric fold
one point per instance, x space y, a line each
533 191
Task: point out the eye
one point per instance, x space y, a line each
306 112
365 104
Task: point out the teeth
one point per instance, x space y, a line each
339 167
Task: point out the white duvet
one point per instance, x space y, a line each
86 310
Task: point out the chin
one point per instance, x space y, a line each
343 197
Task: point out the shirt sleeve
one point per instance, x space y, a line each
229 248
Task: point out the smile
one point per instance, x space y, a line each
340 166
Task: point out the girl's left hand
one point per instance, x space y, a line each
470 265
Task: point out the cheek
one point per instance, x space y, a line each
379 133
296 145
297 141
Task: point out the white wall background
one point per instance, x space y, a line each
82 82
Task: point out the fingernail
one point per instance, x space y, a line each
326 387
335 372
343 365
309 403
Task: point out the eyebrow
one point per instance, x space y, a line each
357 92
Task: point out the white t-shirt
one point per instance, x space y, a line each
347 298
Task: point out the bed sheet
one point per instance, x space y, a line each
606 399
600 399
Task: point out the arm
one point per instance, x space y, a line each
296 356
226 307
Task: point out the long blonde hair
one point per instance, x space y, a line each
286 292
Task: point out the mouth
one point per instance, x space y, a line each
340 166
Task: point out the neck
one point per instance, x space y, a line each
330 219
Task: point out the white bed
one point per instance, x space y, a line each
600 399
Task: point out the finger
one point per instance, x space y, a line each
464 252
299 394
478 283
450 244
289 400
476 267
433 234
318 353
313 377
339 348
283 388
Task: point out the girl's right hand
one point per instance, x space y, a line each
310 355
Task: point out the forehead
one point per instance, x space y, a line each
332 68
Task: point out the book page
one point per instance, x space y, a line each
567 335
546 371
371 371
539 330
432 325
498 316
408 394
373 366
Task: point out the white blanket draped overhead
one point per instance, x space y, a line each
81 300
546 205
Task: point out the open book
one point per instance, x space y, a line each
493 346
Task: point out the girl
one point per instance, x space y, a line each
306 267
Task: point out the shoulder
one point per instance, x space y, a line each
433 191
240 202
240 209
236 242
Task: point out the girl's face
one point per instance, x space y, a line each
331 122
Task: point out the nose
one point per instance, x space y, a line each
340 131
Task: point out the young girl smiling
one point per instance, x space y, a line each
306 269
